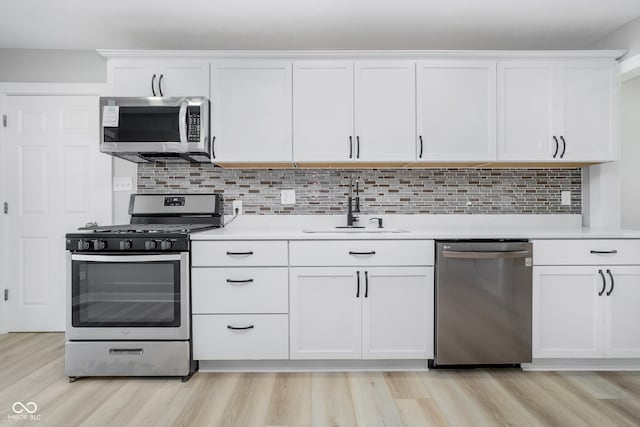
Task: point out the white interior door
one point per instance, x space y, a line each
57 180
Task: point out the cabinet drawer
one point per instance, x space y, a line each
239 290
586 252
239 254
266 336
362 252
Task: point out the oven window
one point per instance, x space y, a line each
145 124
131 294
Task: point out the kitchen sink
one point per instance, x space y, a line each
354 230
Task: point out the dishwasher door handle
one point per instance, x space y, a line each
485 255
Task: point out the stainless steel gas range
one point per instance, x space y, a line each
128 304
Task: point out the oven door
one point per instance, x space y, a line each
128 297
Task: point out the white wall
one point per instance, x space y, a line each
59 66
630 153
625 37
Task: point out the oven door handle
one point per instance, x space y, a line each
126 258
182 122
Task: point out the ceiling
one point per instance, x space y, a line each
311 24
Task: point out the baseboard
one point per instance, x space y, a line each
311 365
582 365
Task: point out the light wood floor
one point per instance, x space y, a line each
31 370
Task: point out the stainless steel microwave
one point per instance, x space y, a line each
155 129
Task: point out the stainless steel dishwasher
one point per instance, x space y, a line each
483 302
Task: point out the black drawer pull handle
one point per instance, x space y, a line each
153 89
240 281
357 147
555 139
240 328
358 281
421 147
239 253
362 253
564 146
614 251
213 147
604 283
612 283
126 351
366 284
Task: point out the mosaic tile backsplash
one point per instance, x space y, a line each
382 191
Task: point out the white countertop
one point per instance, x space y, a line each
289 227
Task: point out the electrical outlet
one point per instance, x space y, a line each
237 206
565 197
122 183
288 197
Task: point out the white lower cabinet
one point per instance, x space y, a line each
240 337
361 312
586 311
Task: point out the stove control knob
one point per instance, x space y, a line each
83 245
165 245
125 244
150 245
99 245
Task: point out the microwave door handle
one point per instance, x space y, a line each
182 122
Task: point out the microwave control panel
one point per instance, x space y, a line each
193 124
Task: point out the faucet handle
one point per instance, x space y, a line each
379 221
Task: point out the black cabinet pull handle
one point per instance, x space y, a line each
421 147
555 153
358 282
240 281
604 283
213 145
153 89
614 251
239 253
612 282
160 84
564 146
362 253
240 328
366 284
357 147
350 147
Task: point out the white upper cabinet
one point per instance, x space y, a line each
131 77
557 111
348 112
587 98
526 96
147 77
251 111
456 110
323 111
385 111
